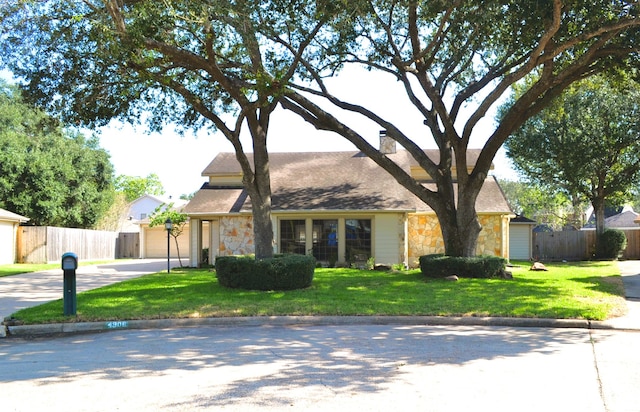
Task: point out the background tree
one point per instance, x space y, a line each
187 62
455 61
178 220
50 174
134 187
549 208
585 144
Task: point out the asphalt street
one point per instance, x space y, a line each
271 366
324 368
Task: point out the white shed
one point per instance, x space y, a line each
9 223
521 238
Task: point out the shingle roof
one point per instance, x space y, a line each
327 181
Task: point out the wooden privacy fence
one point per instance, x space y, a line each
128 245
578 245
46 244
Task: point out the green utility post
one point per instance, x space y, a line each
69 266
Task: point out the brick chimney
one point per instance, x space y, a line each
387 144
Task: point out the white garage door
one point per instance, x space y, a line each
519 241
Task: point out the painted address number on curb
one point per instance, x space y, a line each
117 325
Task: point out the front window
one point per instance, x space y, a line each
358 240
325 240
292 236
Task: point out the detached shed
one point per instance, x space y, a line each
520 237
9 223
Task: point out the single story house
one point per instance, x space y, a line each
338 206
9 223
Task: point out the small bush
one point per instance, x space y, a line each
285 272
611 244
440 266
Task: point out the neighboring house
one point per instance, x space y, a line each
521 238
625 220
9 223
338 206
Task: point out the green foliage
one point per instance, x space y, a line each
585 143
285 272
439 266
164 212
611 244
52 175
546 207
134 187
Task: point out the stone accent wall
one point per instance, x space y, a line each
425 236
236 236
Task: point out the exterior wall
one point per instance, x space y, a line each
8 242
236 236
425 236
389 238
144 207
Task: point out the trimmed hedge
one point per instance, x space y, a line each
441 266
285 272
611 244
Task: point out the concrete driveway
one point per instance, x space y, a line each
31 289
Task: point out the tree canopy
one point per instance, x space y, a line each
455 61
585 144
134 187
50 174
190 61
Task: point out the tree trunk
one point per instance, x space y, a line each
259 186
460 227
598 211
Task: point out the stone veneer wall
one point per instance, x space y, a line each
425 236
236 236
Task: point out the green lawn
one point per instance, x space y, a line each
580 290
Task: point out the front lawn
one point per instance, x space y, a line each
577 290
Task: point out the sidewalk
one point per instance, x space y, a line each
17 292
630 272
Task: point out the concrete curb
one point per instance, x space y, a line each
86 327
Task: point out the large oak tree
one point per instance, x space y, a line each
456 60
198 64
586 144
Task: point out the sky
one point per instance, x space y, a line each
180 160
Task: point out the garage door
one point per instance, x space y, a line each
155 243
519 241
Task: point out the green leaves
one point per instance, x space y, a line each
51 175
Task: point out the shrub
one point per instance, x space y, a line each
440 266
284 272
611 243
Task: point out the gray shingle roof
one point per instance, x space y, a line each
325 181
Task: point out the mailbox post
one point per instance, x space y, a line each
69 266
